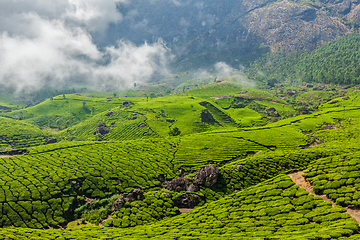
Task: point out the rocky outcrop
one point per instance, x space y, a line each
188 201
119 203
109 114
179 184
102 129
207 176
272 112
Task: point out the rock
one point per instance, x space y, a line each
50 140
192 188
188 201
191 97
136 195
118 204
3 137
142 125
309 85
243 92
161 178
333 102
207 176
125 103
239 167
112 124
346 98
290 92
272 112
170 120
102 129
345 87
168 195
109 114
178 184
133 117
145 134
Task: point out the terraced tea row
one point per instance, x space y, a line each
338 178
48 183
275 209
16 135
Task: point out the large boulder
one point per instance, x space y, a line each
179 184
102 129
108 114
207 176
136 195
188 201
272 112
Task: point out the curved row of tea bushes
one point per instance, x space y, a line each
337 177
199 150
156 205
40 190
18 135
123 125
252 170
275 209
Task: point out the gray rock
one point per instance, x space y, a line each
178 184
102 129
188 201
109 114
207 176
192 188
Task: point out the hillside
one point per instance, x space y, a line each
226 167
336 62
237 32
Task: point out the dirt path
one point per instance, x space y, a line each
299 180
185 210
5 156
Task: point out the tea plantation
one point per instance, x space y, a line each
114 168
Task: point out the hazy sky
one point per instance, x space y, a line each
46 42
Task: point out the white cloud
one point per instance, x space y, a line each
51 44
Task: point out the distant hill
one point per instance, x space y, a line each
233 31
336 62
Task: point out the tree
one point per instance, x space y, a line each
134 85
174 132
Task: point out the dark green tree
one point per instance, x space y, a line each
175 131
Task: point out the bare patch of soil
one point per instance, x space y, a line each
185 210
5 156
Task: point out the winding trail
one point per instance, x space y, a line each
299 180
5 156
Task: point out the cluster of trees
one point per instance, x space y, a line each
336 62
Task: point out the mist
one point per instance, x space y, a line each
50 44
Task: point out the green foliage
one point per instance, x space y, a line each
18 135
261 211
335 62
174 131
337 177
